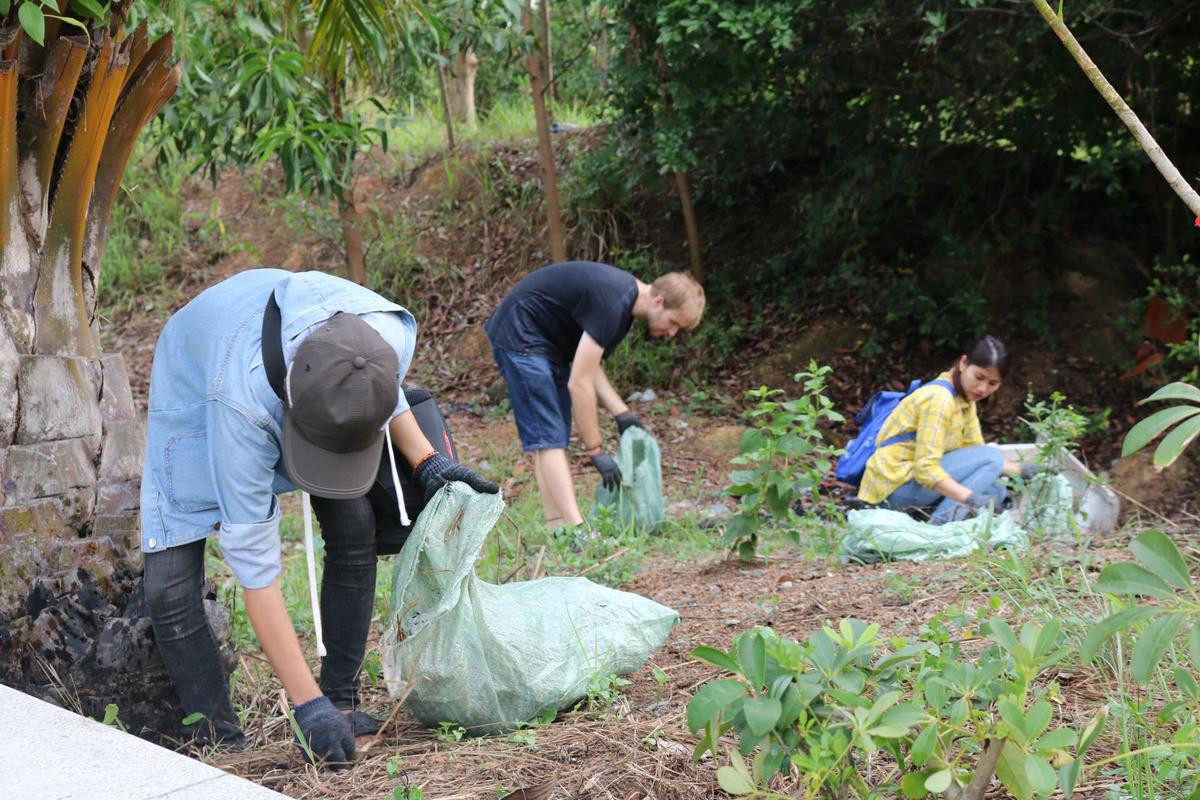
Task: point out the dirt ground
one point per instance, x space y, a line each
639 747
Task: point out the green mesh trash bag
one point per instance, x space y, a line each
879 534
487 657
639 499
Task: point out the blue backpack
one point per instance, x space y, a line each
851 466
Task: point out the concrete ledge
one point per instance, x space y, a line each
48 753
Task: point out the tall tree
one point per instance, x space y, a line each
76 88
537 84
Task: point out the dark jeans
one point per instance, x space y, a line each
174 581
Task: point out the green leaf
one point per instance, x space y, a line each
1194 646
5 6
110 713
1058 739
923 745
1041 774
1002 634
1148 429
939 781
752 655
761 714
1132 579
93 9
1175 391
192 718
1155 551
1151 645
718 658
1091 731
1105 628
1010 712
1184 679
1175 442
1068 776
1037 718
734 782
33 21
1011 771
913 785
737 778
711 700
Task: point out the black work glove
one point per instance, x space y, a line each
1028 471
610 473
327 732
437 470
626 420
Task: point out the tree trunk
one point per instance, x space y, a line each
689 223
71 439
352 238
356 260
558 248
1174 179
548 49
683 188
446 113
461 87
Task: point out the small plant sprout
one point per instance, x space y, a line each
449 732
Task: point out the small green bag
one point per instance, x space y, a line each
639 499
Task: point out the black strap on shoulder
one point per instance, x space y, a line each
272 349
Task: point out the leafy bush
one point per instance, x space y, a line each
827 707
1182 418
784 455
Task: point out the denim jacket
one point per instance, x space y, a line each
213 458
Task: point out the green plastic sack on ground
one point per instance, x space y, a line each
878 534
639 500
487 657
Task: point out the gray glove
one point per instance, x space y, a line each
1028 471
977 500
626 420
610 473
437 470
327 732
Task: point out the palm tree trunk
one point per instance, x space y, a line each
71 439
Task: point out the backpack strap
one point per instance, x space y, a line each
910 435
272 349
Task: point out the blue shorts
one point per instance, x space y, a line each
541 404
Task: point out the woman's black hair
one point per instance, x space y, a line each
989 352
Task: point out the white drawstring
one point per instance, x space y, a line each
396 477
306 503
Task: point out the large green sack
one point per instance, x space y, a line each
639 499
878 534
487 657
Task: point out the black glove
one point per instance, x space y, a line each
1028 471
626 420
327 732
437 470
610 473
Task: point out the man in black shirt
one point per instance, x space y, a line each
548 336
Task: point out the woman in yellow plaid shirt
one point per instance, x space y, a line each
937 460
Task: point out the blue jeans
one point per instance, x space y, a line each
541 403
977 468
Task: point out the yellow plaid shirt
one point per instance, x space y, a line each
943 422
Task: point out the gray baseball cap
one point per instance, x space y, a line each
343 386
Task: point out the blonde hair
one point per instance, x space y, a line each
682 294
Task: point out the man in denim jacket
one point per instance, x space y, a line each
221 445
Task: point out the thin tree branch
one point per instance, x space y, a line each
1174 179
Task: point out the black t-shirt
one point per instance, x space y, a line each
549 309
